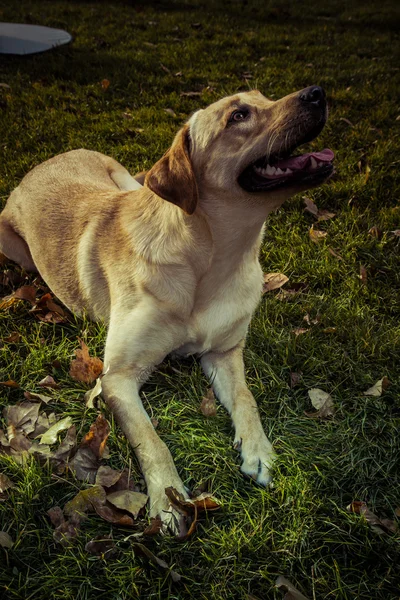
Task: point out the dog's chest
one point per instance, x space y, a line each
220 319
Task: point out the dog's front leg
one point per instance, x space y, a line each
136 342
226 373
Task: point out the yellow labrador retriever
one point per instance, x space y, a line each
172 265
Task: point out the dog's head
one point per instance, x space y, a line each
243 146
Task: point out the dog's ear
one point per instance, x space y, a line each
172 177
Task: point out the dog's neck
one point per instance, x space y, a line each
236 227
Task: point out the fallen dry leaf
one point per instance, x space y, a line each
292 593
92 394
396 232
159 562
61 456
85 368
48 311
322 401
335 254
378 388
10 383
105 84
6 540
106 476
22 417
131 502
295 379
208 405
101 545
299 331
316 235
84 502
26 292
329 330
375 232
50 436
65 531
13 338
169 111
190 94
380 526
48 382
87 459
154 528
274 281
320 214
34 396
5 483
363 275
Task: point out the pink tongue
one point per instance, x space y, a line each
299 162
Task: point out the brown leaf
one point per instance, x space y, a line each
375 232
316 235
295 379
101 545
34 396
109 513
131 502
320 214
9 383
396 232
380 526
190 94
378 388
208 405
106 476
154 528
292 593
22 416
299 331
65 531
85 368
329 330
322 401
96 437
5 483
334 253
61 456
48 382
85 465
5 540
105 84
87 459
363 275
274 281
26 292
13 338
144 551
84 502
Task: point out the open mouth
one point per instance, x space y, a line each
308 169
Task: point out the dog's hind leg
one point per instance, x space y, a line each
14 246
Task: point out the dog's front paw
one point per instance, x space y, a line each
172 520
257 456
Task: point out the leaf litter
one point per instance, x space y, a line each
323 402
378 525
85 368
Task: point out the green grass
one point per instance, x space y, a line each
300 528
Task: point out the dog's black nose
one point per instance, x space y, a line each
313 95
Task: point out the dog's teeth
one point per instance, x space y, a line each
314 163
289 171
279 171
270 170
320 164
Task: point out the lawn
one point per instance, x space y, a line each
119 88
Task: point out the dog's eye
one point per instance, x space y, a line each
238 115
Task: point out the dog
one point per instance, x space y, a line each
172 265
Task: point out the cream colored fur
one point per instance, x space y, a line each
172 266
